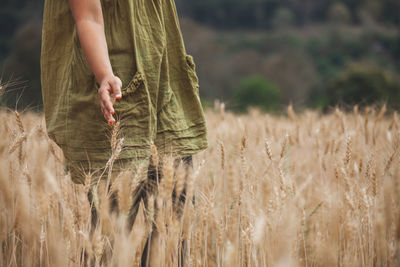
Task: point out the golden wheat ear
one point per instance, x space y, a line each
328 198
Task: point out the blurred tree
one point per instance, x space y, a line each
14 14
24 64
339 13
370 13
353 6
364 85
283 18
256 91
231 13
391 12
294 72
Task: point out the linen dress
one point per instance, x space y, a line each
160 89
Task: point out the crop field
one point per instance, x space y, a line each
298 189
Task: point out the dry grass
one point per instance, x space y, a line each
302 190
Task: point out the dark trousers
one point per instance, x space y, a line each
143 192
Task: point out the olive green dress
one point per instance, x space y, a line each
160 95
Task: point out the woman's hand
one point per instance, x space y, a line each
109 91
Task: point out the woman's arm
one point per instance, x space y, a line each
90 25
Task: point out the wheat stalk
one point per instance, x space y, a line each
328 202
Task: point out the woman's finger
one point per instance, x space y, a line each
109 106
109 118
103 110
107 115
105 98
116 85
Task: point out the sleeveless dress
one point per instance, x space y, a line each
160 89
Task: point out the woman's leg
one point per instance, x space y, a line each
94 211
150 187
178 203
143 191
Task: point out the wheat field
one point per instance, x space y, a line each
299 189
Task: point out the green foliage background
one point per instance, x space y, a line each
306 48
256 91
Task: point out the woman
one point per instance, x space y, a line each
120 59
104 60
